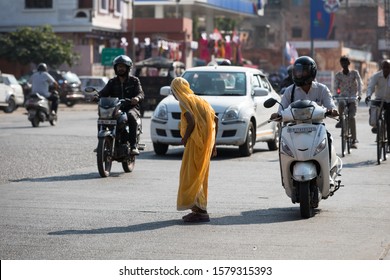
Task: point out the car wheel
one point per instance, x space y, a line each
70 103
11 105
246 149
160 149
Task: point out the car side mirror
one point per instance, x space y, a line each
260 91
90 89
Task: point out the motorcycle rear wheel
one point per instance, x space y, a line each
104 156
304 199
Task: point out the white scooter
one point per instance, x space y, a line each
308 175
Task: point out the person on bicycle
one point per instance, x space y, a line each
348 84
127 86
379 83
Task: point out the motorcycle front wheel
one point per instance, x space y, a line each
104 156
304 199
128 165
35 121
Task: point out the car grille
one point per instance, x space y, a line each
176 133
161 132
229 133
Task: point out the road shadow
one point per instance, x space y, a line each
360 164
223 153
262 216
75 177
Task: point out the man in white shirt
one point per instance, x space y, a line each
379 84
40 83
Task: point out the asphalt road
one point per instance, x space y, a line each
55 206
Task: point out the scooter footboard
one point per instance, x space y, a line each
304 171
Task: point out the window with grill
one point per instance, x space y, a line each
38 4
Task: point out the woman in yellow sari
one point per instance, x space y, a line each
198 129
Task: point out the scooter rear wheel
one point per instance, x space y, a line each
104 156
35 121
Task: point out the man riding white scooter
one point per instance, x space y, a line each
307 158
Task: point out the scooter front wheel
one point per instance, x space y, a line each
104 156
304 199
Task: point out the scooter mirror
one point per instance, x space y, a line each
270 102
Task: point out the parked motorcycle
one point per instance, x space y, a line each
112 131
38 108
308 174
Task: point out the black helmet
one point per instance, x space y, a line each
304 71
42 67
123 59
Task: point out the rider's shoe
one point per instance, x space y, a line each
374 130
134 151
354 142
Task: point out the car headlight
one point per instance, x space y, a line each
320 147
231 114
161 112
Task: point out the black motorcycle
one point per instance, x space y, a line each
112 135
38 108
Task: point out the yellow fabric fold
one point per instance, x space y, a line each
194 171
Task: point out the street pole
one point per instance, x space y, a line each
133 29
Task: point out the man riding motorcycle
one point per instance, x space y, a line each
41 82
126 86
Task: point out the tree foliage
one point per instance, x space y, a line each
35 45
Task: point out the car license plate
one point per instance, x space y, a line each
113 122
301 129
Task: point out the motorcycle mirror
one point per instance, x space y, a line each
270 102
89 89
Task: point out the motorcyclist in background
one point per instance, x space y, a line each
41 81
126 86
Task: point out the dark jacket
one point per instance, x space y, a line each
130 88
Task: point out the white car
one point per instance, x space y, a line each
97 82
236 94
11 93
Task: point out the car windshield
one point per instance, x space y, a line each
216 83
71 77
12 80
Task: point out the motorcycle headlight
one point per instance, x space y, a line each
285 149
161 112
320 147
231 114
106 113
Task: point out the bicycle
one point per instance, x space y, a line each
346 133
381 135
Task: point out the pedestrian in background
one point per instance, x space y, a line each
348 84
198 129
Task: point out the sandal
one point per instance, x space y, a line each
197 218
188 215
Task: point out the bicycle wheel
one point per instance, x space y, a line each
348 134
384 140
344 134
379 140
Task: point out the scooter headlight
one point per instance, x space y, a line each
302 114
320 147
286 149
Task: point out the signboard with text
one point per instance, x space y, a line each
108 55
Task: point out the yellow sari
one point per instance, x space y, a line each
195 165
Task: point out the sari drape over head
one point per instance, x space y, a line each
194 171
